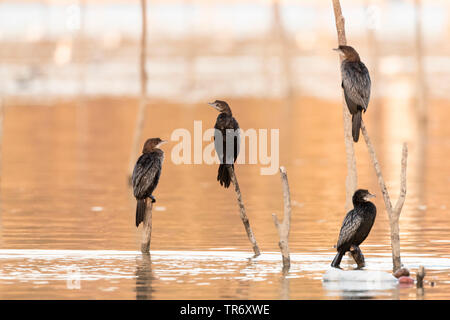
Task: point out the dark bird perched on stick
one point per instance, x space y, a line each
356 84
146 175
226 140
356 227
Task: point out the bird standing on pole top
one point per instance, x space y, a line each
146 175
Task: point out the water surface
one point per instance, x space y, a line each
66 207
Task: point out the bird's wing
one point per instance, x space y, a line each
146 175
223 129
237 139
219 144
356 83
350 226
352 106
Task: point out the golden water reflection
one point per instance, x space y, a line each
64 188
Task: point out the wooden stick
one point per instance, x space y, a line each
147 227
243 215
351 181
420 275
393 213
143 100
284 227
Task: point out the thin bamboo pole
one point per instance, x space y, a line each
143 99
351 181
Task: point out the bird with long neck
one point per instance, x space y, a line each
146 175
226 140
356 84
356 226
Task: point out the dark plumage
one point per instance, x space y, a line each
356 84
356 226
146 175
227 128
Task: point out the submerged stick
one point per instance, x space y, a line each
144 277
243 215
285 226
393 212
147 227
143 100
351 181
420 275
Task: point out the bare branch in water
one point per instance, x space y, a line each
393 213
285 226
243 214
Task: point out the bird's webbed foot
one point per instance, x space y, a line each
153 199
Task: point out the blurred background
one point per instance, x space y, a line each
199 49
84 83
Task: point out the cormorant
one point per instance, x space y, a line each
146 175
356 226
227 128
356 84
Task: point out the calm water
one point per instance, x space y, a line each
67 215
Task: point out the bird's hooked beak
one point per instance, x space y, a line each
161 143
214 105
369 196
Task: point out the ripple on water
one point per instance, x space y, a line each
117 271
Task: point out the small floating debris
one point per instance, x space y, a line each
160 208
96 209
422 207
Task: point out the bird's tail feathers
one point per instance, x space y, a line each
356 125
223 176
140 211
